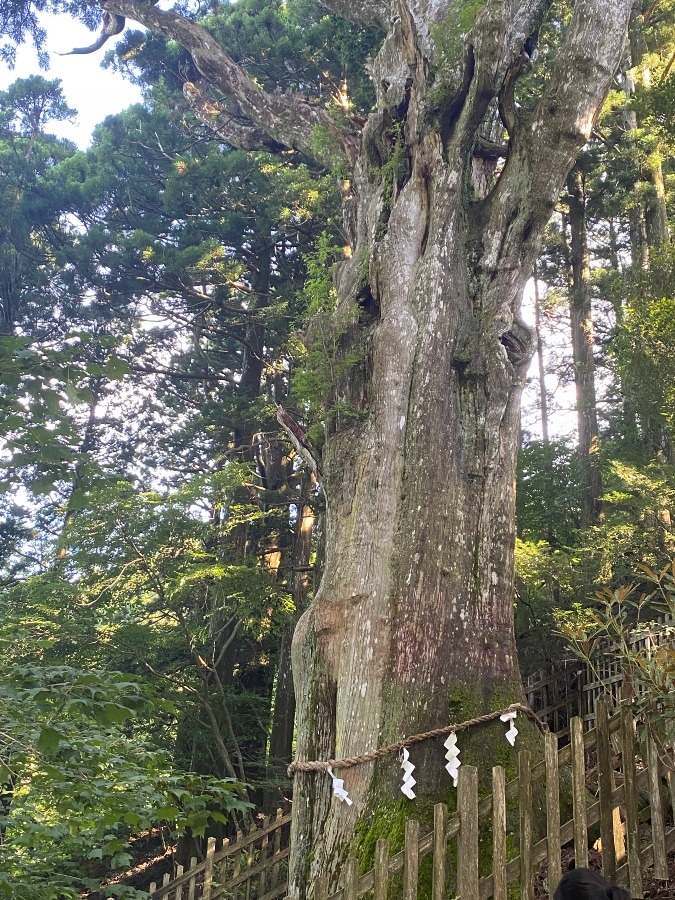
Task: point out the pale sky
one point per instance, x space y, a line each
94 92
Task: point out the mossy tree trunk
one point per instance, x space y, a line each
412 623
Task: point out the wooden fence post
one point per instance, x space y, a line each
439 852
579 794
321 887
525 805
631 802
276 850
264 849
351 878
381 873
208 870
658 829
552 810
467 805
605 787
500 884
411 859
192 884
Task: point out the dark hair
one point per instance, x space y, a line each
588 884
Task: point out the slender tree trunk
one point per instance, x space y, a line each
87 444
543 395
648 220
543 404
628 415
581 321
251 376
283 718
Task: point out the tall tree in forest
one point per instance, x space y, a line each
413 618
581 324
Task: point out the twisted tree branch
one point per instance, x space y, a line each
288 119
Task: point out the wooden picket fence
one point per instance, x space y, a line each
626 803
619 785
254 867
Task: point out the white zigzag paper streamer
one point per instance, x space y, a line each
408 780
452 757
512 733
339 788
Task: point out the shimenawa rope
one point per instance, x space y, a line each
348 761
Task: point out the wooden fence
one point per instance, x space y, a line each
254 867
557 695
615 797
608 790
572 688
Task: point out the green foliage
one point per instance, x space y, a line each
299 46
78 774
327 362
547 582
617 626
644 345
548 499
558 567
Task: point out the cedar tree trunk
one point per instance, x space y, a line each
581 323
412 624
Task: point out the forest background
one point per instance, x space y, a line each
161 296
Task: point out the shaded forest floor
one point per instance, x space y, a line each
152 856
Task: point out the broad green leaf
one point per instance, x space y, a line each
49 740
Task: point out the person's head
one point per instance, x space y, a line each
588 884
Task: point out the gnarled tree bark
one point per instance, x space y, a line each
412 624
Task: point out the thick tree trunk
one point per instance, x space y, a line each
412 625
581 323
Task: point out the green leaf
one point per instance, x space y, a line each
49 740
116 368
11 422
168 812
72 393
44 484
78 500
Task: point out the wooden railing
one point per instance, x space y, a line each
254 867
629 842
572 688
556 695
620 801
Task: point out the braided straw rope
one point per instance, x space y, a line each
349 761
